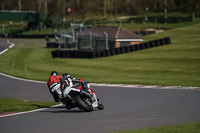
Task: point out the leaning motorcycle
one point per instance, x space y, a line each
78 93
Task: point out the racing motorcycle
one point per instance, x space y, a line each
78 93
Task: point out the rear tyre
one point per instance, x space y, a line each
82 104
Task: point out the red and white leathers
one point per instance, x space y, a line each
54 86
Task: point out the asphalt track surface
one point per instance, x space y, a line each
4 45
125 108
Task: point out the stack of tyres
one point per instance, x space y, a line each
93 54
103 53
167 40
162 41
142 46
157 43
137 47
98 54
112 52
107 52
146 45
54 54
132 47
117 51
122 50
127 48
152 44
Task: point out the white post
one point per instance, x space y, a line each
165 11
106 40
91 40
73 35
3 28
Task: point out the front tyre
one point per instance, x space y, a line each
100 105
82 104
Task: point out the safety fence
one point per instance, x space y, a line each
110 52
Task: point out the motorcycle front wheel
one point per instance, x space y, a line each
100 105
80 102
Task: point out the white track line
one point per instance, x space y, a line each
3 51
22 78
12 44
28 111
117 85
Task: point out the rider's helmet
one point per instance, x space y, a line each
66 75
54 73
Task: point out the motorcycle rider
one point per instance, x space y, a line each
54 86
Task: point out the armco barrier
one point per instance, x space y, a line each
111 52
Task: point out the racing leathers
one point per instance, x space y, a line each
54 86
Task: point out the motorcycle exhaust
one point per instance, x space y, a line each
85 93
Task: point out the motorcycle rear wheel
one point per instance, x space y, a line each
82 104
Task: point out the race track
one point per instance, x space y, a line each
125 108
4 46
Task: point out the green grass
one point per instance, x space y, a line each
186 128
177 64
13 105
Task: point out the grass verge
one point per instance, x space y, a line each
14 105
186 128
176 64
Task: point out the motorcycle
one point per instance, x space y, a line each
78 93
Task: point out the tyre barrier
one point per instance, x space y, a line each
132 48
52 44
142 46
137 47
110 52
117 50
146 45
127 49
122 50
31 36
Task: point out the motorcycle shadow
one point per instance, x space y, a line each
62 109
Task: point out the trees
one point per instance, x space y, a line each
103 7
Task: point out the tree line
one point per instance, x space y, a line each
102 7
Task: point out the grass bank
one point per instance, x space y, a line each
177 64
13 105
186 128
